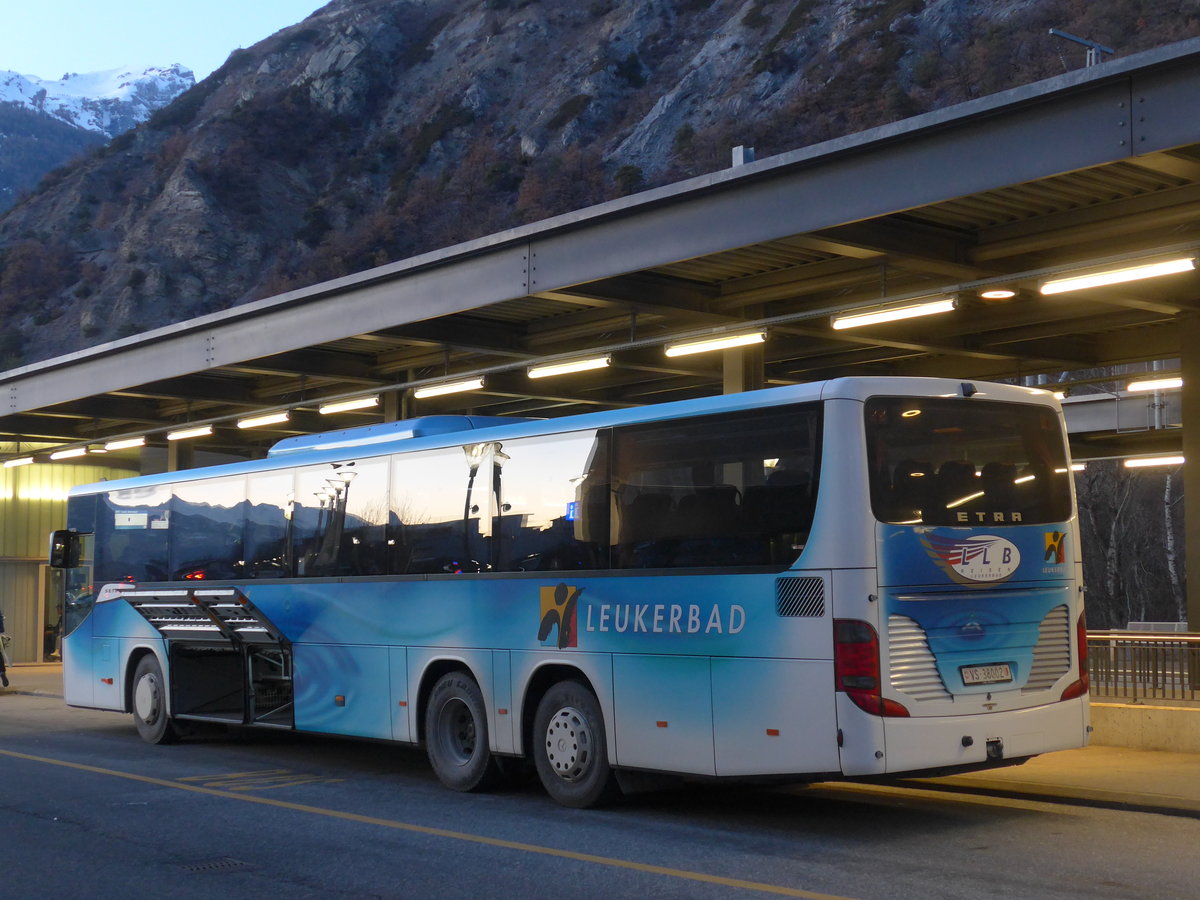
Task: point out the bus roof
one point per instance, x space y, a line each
433 432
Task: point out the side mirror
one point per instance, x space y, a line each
64 549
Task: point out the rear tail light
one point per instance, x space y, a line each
856 667
1080 687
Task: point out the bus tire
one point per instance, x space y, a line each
456 735
150 703
570 749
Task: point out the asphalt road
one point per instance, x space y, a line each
87 809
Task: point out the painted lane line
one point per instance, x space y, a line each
611 862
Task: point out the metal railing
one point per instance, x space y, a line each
1144 666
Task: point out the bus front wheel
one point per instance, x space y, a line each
456 735
150 703
570 749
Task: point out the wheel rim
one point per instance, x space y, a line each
569 744
146 699
456 731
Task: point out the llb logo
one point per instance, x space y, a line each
560 612
982 557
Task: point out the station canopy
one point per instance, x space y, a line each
983 208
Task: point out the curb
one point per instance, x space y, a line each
1071 796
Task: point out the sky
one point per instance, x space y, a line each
50 39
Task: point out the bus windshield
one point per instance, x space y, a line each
941 461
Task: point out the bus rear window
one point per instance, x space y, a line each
963 462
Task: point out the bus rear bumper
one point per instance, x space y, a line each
981 740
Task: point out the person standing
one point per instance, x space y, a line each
3 653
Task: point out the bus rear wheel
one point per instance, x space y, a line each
570 749
456 735
150 703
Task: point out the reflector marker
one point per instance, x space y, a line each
661 724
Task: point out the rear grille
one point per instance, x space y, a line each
1052 655
912 666
800 597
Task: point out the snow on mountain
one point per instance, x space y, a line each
108 102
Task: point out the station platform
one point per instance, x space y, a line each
1154 781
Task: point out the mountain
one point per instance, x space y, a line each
31 144
44 124
376 129
107 102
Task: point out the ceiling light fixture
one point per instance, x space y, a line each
927 307
20 461
998 294
267 419
184 433
686 348
1119 276
449 387
566 368
69 453
1155 384
347 405
126 443
1145 462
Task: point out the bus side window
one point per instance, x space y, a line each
430 533
268 525
132 527
726 490
642 542
207 523
553 504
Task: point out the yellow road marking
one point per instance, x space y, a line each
438 832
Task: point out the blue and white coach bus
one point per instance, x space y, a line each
850 578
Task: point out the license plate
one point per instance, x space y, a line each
993 674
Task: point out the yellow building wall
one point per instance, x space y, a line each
33 502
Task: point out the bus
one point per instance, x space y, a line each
861 577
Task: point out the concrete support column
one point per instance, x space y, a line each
1189 401
180 455
743 369
392 406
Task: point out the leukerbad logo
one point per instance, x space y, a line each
979 558
560 605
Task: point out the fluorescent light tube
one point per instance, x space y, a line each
125 443
448 387
268 419
1145 462
686 348
21 461
68 453
347 405
184 433
1118 276
895 313
1155 384
566 368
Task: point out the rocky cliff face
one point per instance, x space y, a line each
379 128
